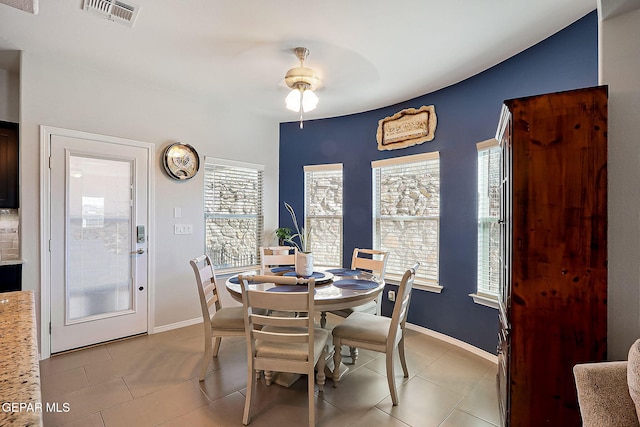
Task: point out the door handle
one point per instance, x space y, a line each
138 252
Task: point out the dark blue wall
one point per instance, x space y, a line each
467 113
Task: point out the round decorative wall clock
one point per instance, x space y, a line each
181 161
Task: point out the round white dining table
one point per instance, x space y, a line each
344 288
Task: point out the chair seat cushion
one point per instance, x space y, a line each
633 374
291 351
603 395
228 319
364 327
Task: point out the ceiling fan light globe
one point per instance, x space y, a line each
293 100
309 100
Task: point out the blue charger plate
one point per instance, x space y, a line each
236 281
355 284
344 272
283 268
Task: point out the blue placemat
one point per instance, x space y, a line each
344 272
288 288
355 284
315 275
237 281
283 268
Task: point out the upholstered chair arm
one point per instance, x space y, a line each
603 395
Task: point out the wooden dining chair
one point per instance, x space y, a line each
280 342
221 322
378 333
276 256
375 262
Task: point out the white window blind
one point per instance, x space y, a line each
406 210
233 193
488 217
323 212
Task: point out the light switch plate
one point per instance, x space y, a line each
183 229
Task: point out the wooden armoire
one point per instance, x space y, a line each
553 290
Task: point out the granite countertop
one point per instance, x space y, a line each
20 398
11 262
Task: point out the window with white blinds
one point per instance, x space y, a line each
406 211
233 193
488 217
323 212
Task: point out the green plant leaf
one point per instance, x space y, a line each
302 234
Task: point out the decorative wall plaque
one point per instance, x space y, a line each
406 128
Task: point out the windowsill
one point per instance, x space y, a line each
436 289
228 272
430 288
485 300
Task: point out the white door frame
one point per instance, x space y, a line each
45 213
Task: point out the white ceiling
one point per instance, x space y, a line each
369 53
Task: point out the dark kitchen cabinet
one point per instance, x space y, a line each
10 278
8 165
553 290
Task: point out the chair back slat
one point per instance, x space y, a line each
281 337
376 261
211 292
206 273
275 256
279 321
286 301
207 288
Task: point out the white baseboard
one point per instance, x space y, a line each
442 337
165 328
461 344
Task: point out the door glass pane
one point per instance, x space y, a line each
99 241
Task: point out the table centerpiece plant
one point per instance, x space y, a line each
283 234
304 256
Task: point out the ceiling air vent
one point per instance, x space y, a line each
30 6
117 11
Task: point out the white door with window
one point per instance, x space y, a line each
99 193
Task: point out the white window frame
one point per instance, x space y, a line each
311 169
212 162
425 279
483 294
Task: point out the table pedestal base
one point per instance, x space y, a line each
329 368
285 379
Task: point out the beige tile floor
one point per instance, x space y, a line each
152 380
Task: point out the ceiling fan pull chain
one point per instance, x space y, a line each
301 110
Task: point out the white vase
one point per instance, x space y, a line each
304 263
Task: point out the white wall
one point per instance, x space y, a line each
59 94
620 70
9 96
